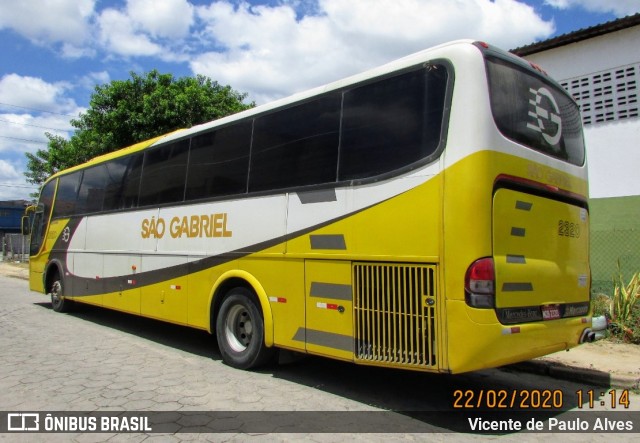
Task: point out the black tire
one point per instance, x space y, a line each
240 331
58 302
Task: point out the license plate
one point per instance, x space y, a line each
551 312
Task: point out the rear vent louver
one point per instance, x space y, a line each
395 314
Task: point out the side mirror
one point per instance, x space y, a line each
26 227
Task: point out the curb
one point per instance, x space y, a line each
580 375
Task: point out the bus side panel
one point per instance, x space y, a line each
406 227
166 300
75 253
121 256
36 272
94 261
283 279
329 309
399 222
127 298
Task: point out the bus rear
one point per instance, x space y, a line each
516 240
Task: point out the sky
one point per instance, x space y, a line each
53 53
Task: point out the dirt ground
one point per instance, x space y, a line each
17 270
622 359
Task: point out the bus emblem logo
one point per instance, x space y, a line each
545 110
66 234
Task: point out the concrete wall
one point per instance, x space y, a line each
613 156
613 148
608 51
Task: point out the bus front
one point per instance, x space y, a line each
516 240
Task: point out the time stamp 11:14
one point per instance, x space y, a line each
616 398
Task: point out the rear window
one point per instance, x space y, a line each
535 112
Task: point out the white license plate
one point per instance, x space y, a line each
550 312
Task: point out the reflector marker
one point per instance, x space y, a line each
335 242
331 290
277 299
131 282
518 232
176 287
321 196
513 330
322 305
322 338
523 206
516 259
517 287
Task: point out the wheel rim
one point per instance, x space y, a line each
56 293
238 328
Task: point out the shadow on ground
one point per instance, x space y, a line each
414 401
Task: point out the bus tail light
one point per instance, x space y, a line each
479 284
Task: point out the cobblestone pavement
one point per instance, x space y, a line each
98 360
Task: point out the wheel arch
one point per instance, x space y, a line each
53 267
235 278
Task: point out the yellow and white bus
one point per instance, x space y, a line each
429 214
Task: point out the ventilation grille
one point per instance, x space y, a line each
394 307
607 95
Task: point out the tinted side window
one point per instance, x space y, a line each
91 192
67 194
392 123
116 172
46 198
131 182
164 174
219 162
296 146
41 217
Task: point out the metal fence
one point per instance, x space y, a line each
609 247
15 247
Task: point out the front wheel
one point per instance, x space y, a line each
58 302
240 331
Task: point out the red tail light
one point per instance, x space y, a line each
479 284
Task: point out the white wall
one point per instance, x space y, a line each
613 156
608 51
613 148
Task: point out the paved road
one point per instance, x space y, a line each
98 360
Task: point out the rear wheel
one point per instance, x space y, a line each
58 302
240 331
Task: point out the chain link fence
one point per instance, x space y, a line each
15 247
609 247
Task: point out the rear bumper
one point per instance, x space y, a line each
476 340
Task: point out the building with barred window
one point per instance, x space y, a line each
600 67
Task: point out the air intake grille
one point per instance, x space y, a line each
394 309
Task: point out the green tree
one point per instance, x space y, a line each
124 112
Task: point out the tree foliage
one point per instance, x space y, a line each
124 112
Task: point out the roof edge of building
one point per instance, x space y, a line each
579 35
